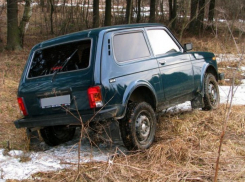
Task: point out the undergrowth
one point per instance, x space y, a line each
185 149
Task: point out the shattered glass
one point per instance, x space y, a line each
61 58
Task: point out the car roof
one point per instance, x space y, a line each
87 33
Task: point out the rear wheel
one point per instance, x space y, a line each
55 135
138 126
211 92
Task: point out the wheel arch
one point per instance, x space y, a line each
140 91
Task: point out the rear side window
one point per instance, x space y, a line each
130 46
60 58
161 42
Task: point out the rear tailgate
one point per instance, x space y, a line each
57 79
45 97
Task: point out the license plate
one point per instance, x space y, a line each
55 101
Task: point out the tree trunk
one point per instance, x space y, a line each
96 16
128 11
13 38
152 11
1 40
51 16
201 11
42 4
170 6
161 10
211 11
87 22
25 21
172 12
108 13
138 11
193 18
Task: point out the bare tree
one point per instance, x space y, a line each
161 4
129 11
152 11
1 41
25 21
211 10
138 11
200 16
13 38
15 33
172 12
1 38
193 19
51 16
42 4
96 15
108 13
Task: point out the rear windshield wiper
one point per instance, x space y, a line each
63 65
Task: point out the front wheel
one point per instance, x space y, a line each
211 92
55 135
138 126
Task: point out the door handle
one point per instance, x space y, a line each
162 61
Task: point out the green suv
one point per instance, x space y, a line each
127 73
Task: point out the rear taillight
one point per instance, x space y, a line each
22 106
94 97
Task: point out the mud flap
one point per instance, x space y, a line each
197 102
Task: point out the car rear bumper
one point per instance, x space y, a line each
64 119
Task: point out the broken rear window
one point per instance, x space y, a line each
61 58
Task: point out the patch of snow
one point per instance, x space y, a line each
238 94
241 21
229 57
180 107
16 153
56 158
221 20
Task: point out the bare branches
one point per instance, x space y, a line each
229 103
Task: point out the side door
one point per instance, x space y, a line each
127 63
175 66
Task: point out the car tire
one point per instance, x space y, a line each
55 135
138 126
211 92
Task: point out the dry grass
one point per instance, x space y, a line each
11 67
229 68
185 149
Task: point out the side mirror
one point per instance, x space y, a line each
188 47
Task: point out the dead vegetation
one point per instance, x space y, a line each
185 149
